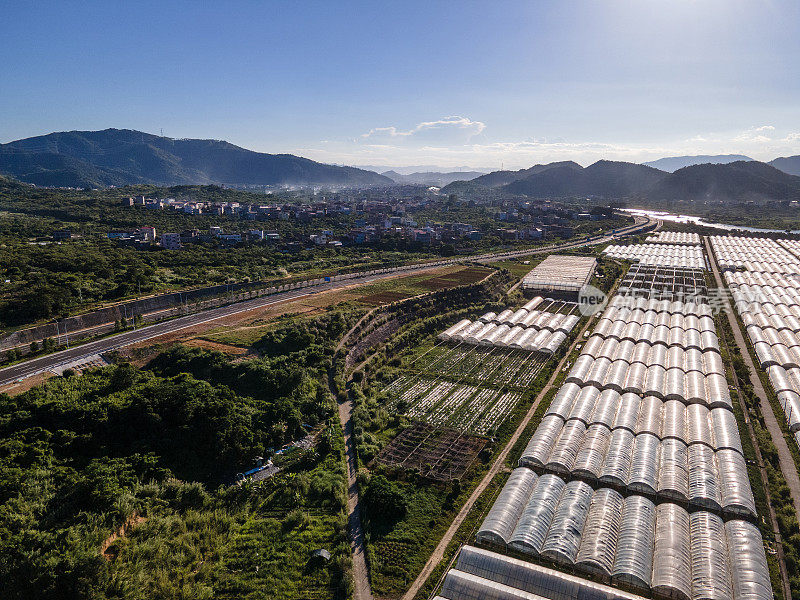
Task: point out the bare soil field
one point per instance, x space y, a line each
210 345
13 388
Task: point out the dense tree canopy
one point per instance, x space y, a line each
154 451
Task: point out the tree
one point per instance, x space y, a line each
384 501
34 347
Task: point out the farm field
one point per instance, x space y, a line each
467 388
517 266
485 365
440 454
392 290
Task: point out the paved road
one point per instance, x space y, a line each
50 361
785 459
47 362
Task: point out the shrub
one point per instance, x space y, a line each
296 518
384 501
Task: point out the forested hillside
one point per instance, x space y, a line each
122 157
117 483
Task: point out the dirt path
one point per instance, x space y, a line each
361 585
785 458
347 335
496 467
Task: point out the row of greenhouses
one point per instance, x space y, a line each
640 416
657 334
665 255
662 305
754 255
635 475
693 387
649 354
524 329
503 336
792 246
630 540
691 423
533 320
769 306
481 574
674 237
667 467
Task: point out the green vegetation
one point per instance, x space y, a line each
116 483
57 280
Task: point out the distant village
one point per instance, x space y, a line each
374 220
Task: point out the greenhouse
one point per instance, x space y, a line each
659 255
584 427
645 408
518 578
756 255
768 300
559 274
674 237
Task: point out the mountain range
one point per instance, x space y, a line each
123 156
431 178
411 169
787 164
734 181
673 163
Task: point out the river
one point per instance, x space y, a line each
665 216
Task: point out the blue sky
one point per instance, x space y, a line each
403 83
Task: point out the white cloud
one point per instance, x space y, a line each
449 130
459 141
755 134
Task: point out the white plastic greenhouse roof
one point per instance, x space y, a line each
662 255
561 273
679 560
756 254
636 472
522 329
481 573
630 540
767 297
674 237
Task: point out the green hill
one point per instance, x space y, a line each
122 157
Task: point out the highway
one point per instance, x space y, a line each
51 361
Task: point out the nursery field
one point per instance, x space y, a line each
438 454
467 388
